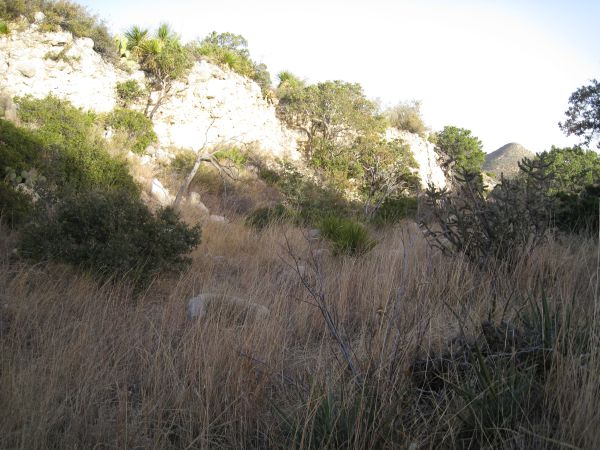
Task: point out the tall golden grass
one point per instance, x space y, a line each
89 365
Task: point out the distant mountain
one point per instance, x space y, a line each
505 160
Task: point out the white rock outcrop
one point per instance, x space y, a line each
425 155
29 65
221 105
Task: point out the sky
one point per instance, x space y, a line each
503 69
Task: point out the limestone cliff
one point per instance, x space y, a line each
213 104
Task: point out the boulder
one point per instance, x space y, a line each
160 193
200 306
218 219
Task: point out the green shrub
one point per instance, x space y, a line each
183 162
128 92
579 212
76 19
72 153
19 149
234 155
110 233
263 217
136 126
346 236
4 30
15 206
395 209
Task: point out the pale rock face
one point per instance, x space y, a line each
86 80
232 104
217 107
425 155
160 193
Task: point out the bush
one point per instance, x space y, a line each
233 154
136 126
15 206
72 152
4 30
263 217
407 116
579 212
516 215
129 92
346 236
110 233
76 19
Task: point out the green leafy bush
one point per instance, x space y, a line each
138 128
4 30
15 206
578 212
129 92
109 232
71 151
346 236
234 155
263 217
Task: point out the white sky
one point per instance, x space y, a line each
503 69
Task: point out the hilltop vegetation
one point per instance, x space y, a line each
391 316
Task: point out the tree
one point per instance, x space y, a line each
162 58
464 151
407 116
387 170
572 168
331 114
583 115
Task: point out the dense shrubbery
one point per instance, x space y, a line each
344 139
109 232
66 15
129 92
88 210
72 153
137 128
308 200
346 236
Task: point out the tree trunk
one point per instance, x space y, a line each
188 180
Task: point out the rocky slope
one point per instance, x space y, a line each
425 155
505 160
212 104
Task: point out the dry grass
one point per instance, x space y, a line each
84 365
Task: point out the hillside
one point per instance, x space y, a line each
505 160
212 103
